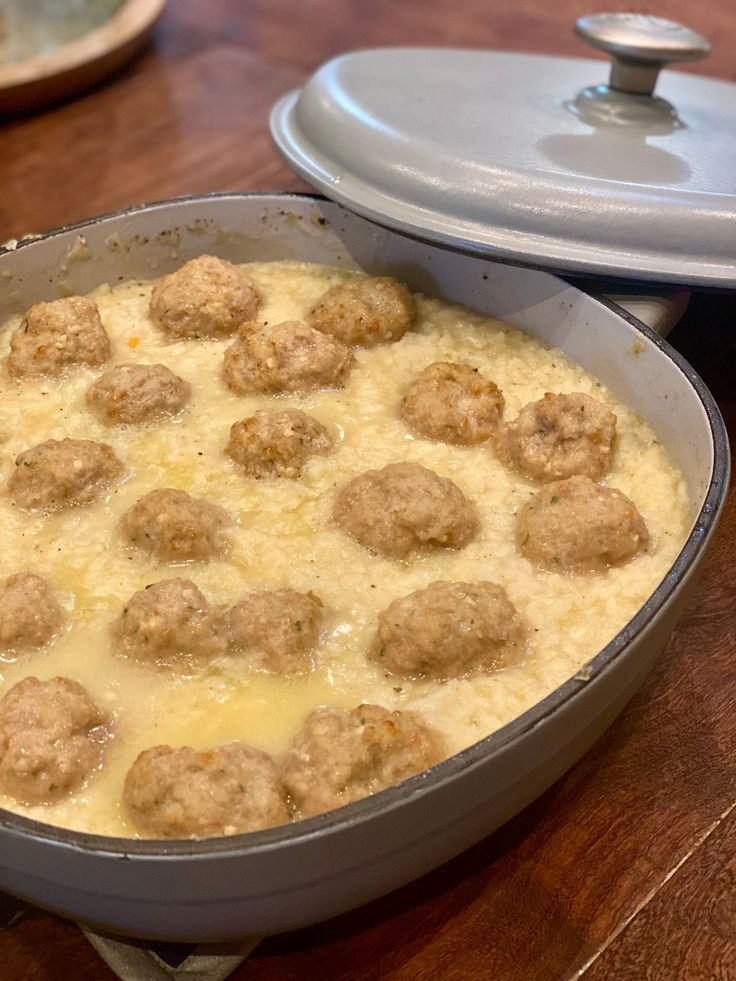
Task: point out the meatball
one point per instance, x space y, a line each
448 630
453 403
277 444
365 312
30 614
560 436
51 737
339 756
170 624
283 624
175 527
403 506
206 298
574 525
53 336
183 793
63 473
132 393
287 357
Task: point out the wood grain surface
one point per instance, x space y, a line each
624 870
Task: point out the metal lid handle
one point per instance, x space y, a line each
640 46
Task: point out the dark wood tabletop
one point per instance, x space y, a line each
626 868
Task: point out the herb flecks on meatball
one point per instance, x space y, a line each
449 630
574 525
51 739
453 403
170 624
402 507
340 756
65 473
286 357
282 624
175 527
30 614
58 335
137 393
207 298
365 311
560 436
188 793
277 444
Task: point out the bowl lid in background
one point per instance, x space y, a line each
533 159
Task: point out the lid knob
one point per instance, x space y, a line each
640 46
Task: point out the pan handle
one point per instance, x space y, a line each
661 311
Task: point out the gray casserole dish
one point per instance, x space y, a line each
288 877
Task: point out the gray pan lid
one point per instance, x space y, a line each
533 159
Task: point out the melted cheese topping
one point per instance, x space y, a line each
283 536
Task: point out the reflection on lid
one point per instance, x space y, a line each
631 160
601 106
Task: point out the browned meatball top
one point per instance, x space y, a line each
30 615
133 393
175 527
449 630
54 336
170 624
339 756
183 793
366 312
286 357
63 473
51 736
560 436
453 403
206 298
403 506
277 444
282 624
574 525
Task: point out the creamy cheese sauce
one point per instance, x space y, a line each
283 536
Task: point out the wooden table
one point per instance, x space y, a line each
626 868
